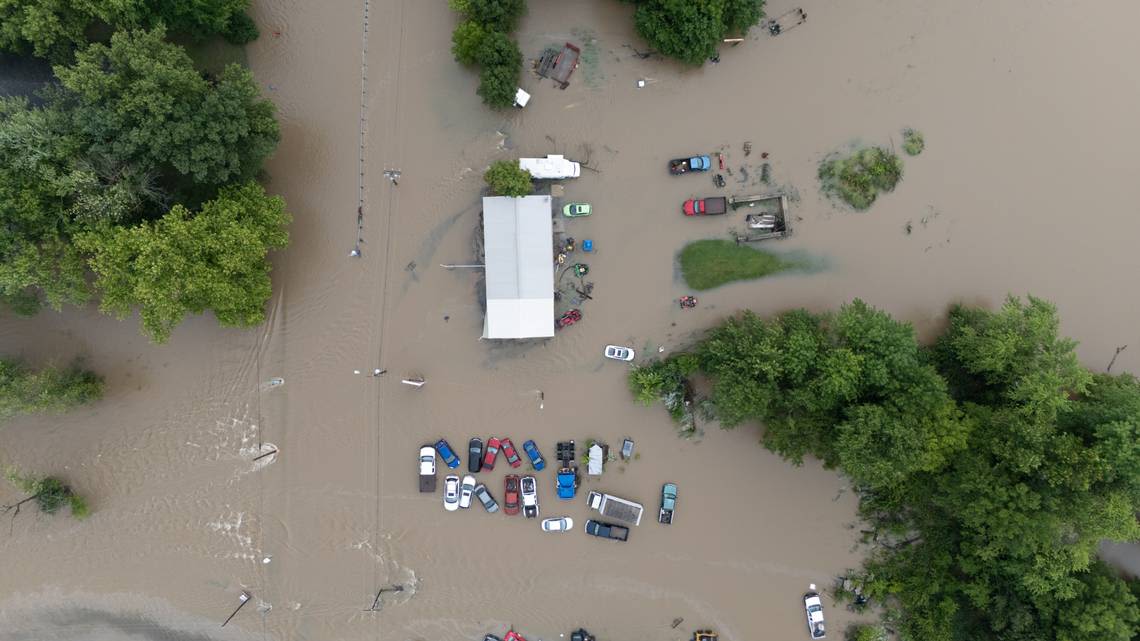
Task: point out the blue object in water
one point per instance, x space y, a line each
587 245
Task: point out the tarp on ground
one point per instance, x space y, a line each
519 264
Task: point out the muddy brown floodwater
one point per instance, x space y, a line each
1026 186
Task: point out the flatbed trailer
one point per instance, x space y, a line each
768 220
558 64
616 507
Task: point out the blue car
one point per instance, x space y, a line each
535 456
446 454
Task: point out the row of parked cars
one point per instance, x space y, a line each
482 457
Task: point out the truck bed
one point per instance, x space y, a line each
427 482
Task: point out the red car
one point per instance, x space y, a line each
492 452
510 453
511 495
513 636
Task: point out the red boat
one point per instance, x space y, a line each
568 319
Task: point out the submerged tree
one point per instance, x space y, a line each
49 492
50 389
506 178
989 467
690 31
189 262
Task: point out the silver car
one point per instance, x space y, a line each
484 496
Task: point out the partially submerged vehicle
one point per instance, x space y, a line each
451 493
577 210
427 469
466 490
705 635
484 496
534 455
529 497
475 455
446 453
607 530
619 353
557 524
627 449
767 218
558 64
668 503
511 494
511 455
616 507
567 482
552 167
705 206
813 607
491 453
679 166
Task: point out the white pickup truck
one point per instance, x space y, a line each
529 497
553 167
616 507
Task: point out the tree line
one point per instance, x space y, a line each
989 465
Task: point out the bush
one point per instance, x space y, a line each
467 41
859 177
23 390
866 632
706 264
240 29
497 85
50 493
913 142
506 178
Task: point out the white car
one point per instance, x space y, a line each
619 353
557 524
529 497
466 490
451 493
814 608
427 461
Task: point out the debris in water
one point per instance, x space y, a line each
747 147
766 173
764 155
677 622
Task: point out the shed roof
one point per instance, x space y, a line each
519 264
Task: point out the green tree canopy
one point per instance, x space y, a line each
49 492
989 467
140 101
466 41
51 389
691 30
506 178
56 28
496 15
187 263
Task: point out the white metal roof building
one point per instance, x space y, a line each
519 263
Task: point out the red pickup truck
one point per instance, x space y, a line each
705 206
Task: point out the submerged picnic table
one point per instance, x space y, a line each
558 64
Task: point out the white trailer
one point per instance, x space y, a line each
616 507
554 166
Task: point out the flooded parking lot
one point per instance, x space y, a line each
1025 187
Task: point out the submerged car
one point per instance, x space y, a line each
574 210
813 606
491 453
484 496
446 453
475 455
510 453
451 493
529 497
534 455
466 488
668 503
557 524
427 469
679 166
619 353
511 494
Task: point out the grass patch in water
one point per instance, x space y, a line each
913 142
859 177
706 264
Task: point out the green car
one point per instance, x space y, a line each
574 210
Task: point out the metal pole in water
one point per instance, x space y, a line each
244 597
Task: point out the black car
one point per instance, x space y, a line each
475 455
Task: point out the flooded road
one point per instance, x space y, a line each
1025 187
